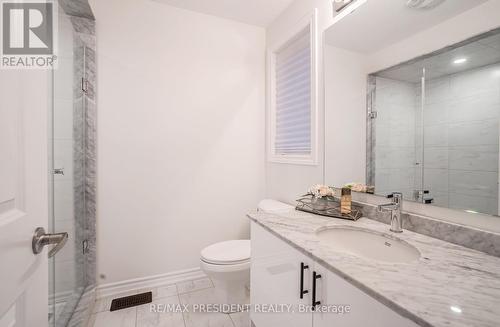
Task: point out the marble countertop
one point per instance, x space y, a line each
445 276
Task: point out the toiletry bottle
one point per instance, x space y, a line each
345 201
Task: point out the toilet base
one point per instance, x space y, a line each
231 285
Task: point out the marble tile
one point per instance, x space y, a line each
475 82
120 318
436 180
402 178
473 133
194 285
83 312
460 132
436 113
402 113
475 183
382 180
485 107
207 320
83 25
436 157
166 291
383 134
402 134
195 318
207 296
436 135
395 157
474 158
240 319
437 91
395 92
156 314
80 8
388 180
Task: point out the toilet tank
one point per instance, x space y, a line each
273 206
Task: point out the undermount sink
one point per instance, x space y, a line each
368 244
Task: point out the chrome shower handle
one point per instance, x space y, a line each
41 239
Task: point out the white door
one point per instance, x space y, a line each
24 107
276 273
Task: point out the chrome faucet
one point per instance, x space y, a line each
395 208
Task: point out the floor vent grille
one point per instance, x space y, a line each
131 301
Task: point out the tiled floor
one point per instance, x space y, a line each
199 291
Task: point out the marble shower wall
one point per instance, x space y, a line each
450 148
77 8
461 139
84 110
84 153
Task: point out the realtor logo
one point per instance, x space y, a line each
28 34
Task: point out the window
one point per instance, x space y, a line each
292 98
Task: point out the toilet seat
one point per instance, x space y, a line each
234 252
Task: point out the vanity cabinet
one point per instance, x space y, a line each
364 310
275 279
280 274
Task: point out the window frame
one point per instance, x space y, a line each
310 21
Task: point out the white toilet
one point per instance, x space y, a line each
228 263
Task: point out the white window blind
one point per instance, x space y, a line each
293 96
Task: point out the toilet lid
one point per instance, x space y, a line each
226 253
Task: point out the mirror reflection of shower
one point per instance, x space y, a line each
436 132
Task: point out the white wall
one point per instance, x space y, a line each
180 135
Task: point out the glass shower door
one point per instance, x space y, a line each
66 268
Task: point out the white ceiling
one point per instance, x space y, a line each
253 12
380 23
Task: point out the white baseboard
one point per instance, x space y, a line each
111 289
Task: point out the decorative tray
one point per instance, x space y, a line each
327 206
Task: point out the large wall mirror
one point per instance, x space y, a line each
433 127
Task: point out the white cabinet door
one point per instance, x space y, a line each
276 280
332 291
24 201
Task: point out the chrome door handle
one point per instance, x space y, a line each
41 239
